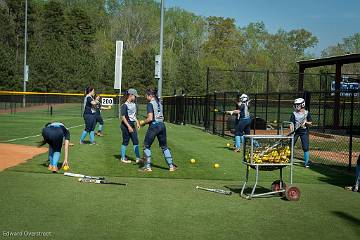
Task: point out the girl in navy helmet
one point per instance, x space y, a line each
243 121
89 115
129 125
54 134
157 129
301 120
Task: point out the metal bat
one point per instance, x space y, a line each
97 181
77 175
215 190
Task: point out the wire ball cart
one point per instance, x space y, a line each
269 153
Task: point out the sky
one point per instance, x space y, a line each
329 20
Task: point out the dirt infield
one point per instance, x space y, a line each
13 154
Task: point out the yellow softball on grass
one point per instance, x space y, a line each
66 168
216 165
228 144
192 161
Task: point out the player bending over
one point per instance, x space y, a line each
155 119
301 120
129 125
53 134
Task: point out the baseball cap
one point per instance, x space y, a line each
133 91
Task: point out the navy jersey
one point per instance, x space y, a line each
129 111
88 107
65 131
244 110
98 108
155 107
298 118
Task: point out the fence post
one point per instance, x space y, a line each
324 115
207 80
255 114
267 95
278 114
223 118
351 129
214 115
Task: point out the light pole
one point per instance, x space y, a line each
25 52
161 48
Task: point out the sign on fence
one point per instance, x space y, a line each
107 101
346 88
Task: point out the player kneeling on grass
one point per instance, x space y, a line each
243 121
53 134
155 119
301 120
129 125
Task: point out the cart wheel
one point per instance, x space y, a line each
292 193
275 186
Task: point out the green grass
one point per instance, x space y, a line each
164 205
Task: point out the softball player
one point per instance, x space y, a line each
89 115
243 121
98 118
155 119
301 120
356 188
129 125
53 134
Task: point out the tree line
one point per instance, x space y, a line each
71 44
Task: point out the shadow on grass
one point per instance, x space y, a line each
347 217
140 164
334 175
259 189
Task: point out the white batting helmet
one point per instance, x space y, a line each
244 98
299 103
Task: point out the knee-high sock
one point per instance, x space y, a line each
55 159
100 128
168 157
51 152
137 151
237 141
123 152
306 158
83 136
92 136
147 153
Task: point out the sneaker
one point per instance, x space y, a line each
99 134
82 142
173 168
125 161
93 143
307 166
139 161
145 169
54 169
237 150
50 167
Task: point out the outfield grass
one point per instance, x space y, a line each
164 205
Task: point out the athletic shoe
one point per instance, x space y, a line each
139 161
93 143
307 166
237 150
99 134
145 169
81 143
54 169
173 168
50 167
125 161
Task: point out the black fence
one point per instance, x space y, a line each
332 143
